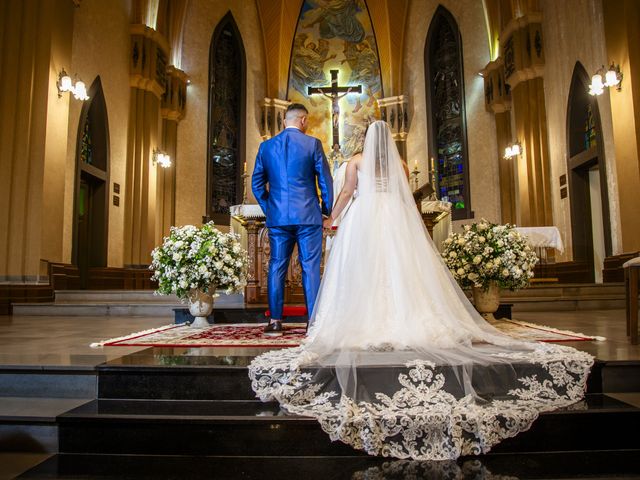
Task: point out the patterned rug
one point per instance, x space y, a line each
250 335
540 333
223 335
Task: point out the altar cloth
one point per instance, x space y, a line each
543 237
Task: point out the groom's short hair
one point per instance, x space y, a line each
295 107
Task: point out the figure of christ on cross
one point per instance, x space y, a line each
333 92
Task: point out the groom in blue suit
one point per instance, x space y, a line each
289 169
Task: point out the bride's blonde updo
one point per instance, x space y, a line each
359 134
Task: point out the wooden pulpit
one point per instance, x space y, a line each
249 222
430 216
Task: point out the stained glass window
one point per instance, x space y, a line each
589 130
443 57
86 150
226 92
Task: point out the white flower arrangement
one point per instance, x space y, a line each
204 258
485 252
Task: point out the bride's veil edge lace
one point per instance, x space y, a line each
397 361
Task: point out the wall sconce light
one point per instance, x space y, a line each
161 158
65 84
512 150
609 78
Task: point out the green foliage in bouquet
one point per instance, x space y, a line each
204 258
486 252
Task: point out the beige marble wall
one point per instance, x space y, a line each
623 46
574 31
191 174
101 47
34 43
481 134
55 154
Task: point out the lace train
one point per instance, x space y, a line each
420 416
397 361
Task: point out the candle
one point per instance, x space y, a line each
245 166
415 165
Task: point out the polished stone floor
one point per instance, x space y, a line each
62 343
610 324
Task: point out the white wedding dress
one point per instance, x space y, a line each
397 362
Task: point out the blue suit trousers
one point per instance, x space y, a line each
282 240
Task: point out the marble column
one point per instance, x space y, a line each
148 82
272 118
497 96
523 56
173 109
34 46
394 111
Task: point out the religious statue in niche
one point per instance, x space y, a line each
335 71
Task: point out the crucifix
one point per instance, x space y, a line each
333 92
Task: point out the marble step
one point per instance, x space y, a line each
160 374
192 382
566 297
154 374
29 424
565 465
191 428
558 297
533 304
155 309
568 290
135 296
255 429
48 381
94 309
114 303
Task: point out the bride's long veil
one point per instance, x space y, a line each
397 361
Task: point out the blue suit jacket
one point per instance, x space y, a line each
290 164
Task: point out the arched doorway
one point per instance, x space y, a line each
225 147
91 204
586 171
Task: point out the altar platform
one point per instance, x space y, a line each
69 411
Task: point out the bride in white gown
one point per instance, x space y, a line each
397 362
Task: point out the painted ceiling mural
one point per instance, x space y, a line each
336 35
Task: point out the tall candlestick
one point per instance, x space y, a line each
432 171
415 174
245 175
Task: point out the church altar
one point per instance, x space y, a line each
544 240
436 214
249 222
543 237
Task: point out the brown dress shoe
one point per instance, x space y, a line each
274 329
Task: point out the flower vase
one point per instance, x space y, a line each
487 301
200 306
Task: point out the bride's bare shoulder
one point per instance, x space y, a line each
356 159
